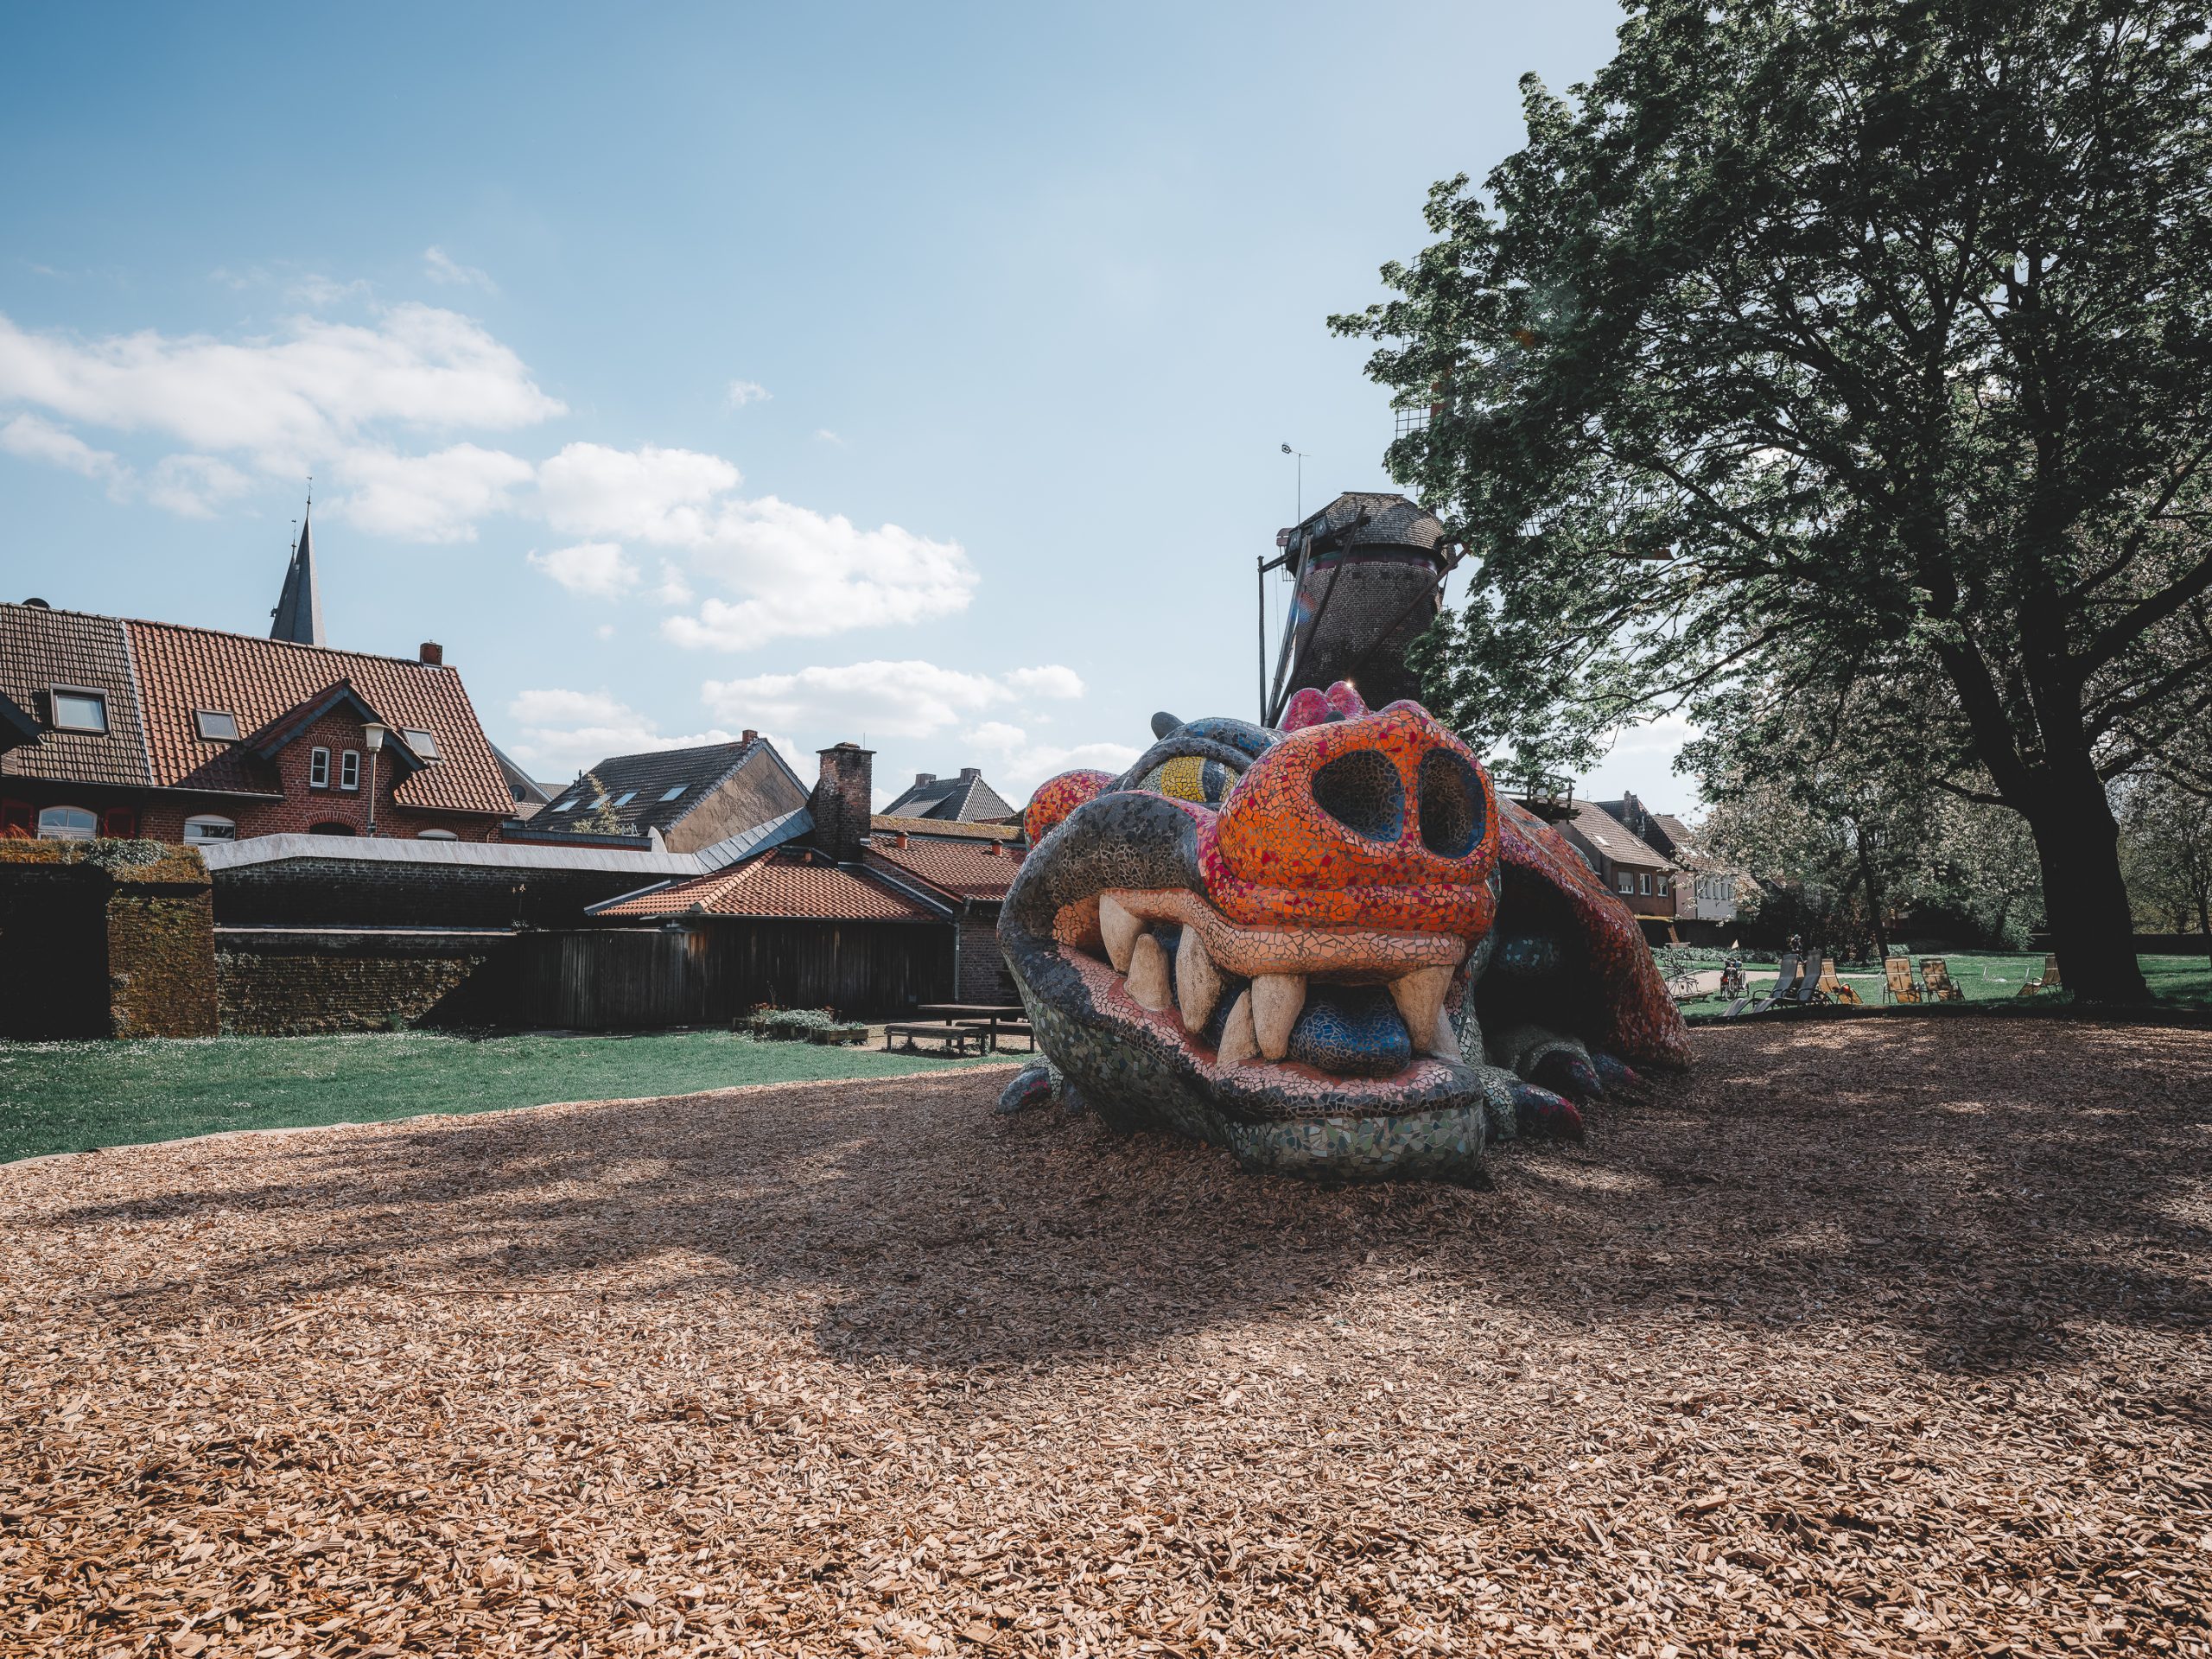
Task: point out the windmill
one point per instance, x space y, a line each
1368 573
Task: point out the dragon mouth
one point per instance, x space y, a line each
1314 1013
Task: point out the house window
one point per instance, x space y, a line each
1643 882
625 797
217 724
437 835
330 829
600 802
1659 884
673 793
120 823
349 769
1625 881
207 827
67 823
318 768
425 744
79 710
570 804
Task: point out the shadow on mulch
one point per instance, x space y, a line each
1984 1194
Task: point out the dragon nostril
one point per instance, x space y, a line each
1362 792
1452 812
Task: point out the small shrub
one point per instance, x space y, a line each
787 1025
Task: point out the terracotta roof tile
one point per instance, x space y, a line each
780 885
183 669
892 824
41 649
966 869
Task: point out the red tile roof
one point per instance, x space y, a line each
183 669
966 869
885 823
798 885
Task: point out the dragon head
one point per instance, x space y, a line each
1273 938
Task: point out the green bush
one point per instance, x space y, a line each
788 1025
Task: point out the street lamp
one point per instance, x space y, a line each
372 741
1301 453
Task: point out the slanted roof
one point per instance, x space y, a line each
965 799
527 793
181 670
783 884
41 649
294 723
1614 839
945 829
648 778
964 868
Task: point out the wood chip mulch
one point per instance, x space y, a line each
1874 1337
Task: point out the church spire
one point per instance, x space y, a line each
299 609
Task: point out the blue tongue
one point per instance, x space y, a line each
1353 1031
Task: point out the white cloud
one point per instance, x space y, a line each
806 574
441 267
827 436
33 439
564 731
312 289
649 494
280 401
1019 765
600 568
742 392
194 486
1052 680
906 699
671 588
434 498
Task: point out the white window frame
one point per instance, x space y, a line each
1644 884
197 826
89 693
49 833
423 744
1625 881
349 769
318 767
201 716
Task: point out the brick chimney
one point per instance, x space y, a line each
748 735
922 778
970 774
432 654
844 801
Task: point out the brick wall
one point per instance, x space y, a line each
983 975
105 938
844 801
295 983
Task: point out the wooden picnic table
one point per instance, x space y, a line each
995 1018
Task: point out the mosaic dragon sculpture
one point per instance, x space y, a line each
1330 948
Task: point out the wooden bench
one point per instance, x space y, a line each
949 1038
1001 1030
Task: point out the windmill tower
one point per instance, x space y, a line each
1368 570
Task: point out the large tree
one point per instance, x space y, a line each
1820 347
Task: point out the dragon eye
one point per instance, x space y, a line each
1192 777
1361 790
1452 815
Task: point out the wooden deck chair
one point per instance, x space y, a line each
1832 987
1899 987
1785 982
1936 979
2047 983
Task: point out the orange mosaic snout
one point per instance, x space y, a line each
1381 820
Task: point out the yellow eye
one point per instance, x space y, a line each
1184 777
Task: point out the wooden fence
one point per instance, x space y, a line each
707 973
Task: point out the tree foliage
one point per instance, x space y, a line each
599 818
1840 353
2166 849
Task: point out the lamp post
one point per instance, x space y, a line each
1301 453
372 741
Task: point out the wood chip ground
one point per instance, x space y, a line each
1874 1337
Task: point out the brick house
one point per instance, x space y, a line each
111 725
1631 870
1706 889
671 800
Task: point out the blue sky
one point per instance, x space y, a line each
910 374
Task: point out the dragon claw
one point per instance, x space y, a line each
1540 1115
1032 1087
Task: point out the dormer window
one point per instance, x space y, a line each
78 709
425 744
217 724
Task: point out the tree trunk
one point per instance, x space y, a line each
1873 893
2092 927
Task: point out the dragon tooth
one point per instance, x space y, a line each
1120 929
1419 996
1238 1045
1277 1001
1148 981
1197 984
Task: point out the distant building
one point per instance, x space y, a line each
965 799
1705 889
671 800
1636 873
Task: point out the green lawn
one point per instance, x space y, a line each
2185 982
71 1096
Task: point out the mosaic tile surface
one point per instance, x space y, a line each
1328 947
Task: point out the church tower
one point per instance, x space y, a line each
299 609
